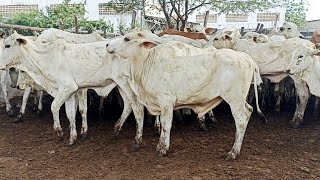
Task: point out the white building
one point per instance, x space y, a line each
95 10
248 21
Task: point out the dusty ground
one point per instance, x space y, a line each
30 150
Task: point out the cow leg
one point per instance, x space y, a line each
4 88
186 111
137 108
101 107
40 106
212 117
23 105
166 124
277 90
301 102
70 105
119 99
157 125
125 113
202 122
61 96
241 114
316 105
83 108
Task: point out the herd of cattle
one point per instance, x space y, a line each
163 73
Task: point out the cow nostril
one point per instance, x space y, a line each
107 45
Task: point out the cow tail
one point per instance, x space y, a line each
256 78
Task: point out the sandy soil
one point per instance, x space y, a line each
30 150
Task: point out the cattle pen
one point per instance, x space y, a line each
30 149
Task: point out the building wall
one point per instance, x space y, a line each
222 21
91 7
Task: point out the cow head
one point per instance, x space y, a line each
11 50
222 40
302 58
290 30
130 45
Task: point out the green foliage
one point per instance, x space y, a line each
296 11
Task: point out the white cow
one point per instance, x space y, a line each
305 62
62 69
256 37
52 34
163 82
272 59
21 80
290 30
3 81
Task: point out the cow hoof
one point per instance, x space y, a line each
295 125
10 113
117 130
162 153
135 147
39 113
18 119
84 136
231 156
59 133
203 129
70 144
34 109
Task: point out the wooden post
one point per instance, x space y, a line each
276 21
257 28
133 20
242 31
76 26
261 28
206 19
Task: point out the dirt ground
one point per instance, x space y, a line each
30 150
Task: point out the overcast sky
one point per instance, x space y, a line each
313 10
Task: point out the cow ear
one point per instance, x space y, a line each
228 37
149 44
254 39
2 34
22 41
316 52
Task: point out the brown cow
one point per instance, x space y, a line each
185 34
316 37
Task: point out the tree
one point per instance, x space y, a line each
177 12
296 11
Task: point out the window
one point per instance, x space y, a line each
212 18
70 5
104 10
236 17
10 10
263 17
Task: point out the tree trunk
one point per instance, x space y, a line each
133 21
206 19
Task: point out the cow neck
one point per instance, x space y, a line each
35 63
312 76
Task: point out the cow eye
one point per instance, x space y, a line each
126 39
300 56
216 39
6 46
289 28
